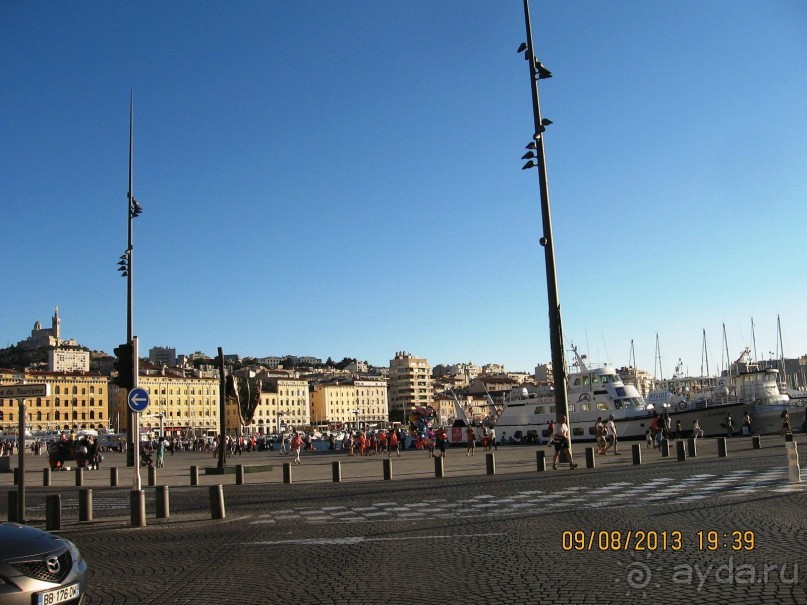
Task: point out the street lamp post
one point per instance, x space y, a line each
537 159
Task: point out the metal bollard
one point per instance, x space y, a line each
79 476
13 507
194 475
665 448
387 469
137 503
756 442
217 502
439 469
540 460
16 476
46 477
793 469
490 463
637 453
287 472
692 447
788 437
113 476
681 451
239 474
722 448
152 475
85 505
161 502
53 512
590 463
336 469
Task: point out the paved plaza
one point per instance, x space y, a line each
708 529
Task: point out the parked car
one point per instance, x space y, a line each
39 568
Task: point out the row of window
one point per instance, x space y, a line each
56 416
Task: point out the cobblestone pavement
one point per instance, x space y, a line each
618 533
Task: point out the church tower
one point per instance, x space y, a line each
56 330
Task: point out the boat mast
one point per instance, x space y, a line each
657 364
780 351
754 340
705 355
726 347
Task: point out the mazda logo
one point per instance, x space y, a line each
53 565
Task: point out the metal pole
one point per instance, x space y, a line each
21 461
547 241
222 410
130 437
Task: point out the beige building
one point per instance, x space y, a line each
188 406
350 401
410 382
78 400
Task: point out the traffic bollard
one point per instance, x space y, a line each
439 469
540 460
681 451
665 448
113 476
161 502
79 476
239 474
637 453
287 472
46 477
336 469
692 447
85 505
793 469
722 448
756 442
590 457
387 469
217 502
137 503
13 507
490 464
53 512
152 475
194 475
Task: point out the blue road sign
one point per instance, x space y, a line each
138 399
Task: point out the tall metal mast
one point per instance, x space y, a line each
537 159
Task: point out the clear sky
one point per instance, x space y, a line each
344 178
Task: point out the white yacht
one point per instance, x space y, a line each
592 393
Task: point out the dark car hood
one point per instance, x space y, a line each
20 541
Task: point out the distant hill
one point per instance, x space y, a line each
17 358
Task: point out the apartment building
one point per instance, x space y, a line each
409 383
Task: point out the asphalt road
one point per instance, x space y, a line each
666 530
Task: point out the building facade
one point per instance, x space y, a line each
78 400
68 360
410 383
350 402
185 406
283 405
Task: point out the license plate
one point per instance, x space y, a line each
59 595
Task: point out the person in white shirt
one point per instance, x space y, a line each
612 436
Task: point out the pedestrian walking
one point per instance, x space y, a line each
562 442
296 446
470 436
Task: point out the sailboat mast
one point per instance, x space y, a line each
657 364
754 340
705 355
726 347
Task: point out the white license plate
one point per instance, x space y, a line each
59 595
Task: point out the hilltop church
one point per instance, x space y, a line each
47 337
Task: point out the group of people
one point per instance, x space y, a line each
605 431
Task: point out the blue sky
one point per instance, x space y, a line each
344 178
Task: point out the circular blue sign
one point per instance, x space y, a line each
138 399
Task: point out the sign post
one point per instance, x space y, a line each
21 392
138 401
